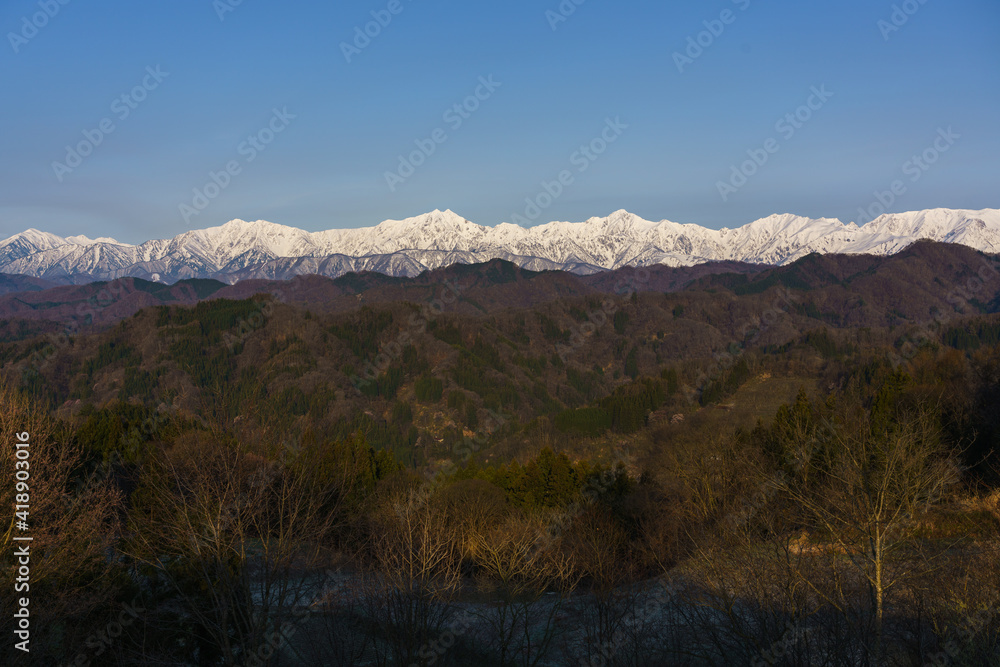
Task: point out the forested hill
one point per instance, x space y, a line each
100 304
925 266
419 364
730 431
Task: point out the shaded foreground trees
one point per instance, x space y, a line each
238 541
73 523
877 482
839 534
526 583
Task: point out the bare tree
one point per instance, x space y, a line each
238 545
410 594
72 527
527 581
470 507
607 611
337 632
877 485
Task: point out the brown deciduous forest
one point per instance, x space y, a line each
491 466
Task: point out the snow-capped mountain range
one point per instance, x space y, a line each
240 250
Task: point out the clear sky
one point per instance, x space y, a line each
222 68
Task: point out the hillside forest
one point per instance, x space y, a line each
717 465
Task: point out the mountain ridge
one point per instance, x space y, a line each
242 250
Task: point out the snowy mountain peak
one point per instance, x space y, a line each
933 221
240 249
83 240
623 220
28 243
35 238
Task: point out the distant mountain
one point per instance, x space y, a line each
854 290
23 298
494 284
16 283
530 343
241 250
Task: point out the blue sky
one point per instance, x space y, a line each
224 70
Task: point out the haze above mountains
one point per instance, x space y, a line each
241 250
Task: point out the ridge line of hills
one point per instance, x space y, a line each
910 284
241 250
562 354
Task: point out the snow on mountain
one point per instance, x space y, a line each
27 243
241 250
83 240
977 229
